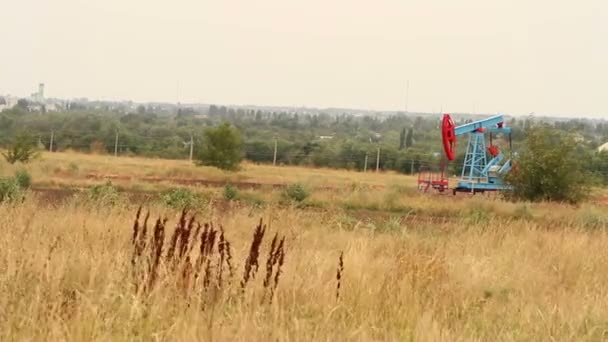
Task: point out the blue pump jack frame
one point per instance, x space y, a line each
476 169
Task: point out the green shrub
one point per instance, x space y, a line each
549 168
105 193
22 149
295 192
23 179
10 191
230 192
180 198
221 148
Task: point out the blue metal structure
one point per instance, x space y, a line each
478 173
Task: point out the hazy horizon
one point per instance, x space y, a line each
546 57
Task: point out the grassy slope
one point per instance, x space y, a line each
67 277
494 270
390 193
66 169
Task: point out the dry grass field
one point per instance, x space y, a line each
414 267
78 169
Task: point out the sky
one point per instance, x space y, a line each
548 57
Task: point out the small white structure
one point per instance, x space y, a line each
38 97
8 102
603 148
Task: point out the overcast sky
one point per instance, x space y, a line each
483 56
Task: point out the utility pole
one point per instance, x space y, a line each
378 160
191 146
365 165
274 157
116 145
51 143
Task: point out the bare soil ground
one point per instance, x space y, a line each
185 181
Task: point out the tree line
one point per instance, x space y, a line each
407 143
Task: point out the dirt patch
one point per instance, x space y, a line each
53 196
242 185
56 196
186 181
602 200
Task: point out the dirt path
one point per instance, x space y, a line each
185 181
243 185
56 196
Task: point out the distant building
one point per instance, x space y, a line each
8 102
35 107
38 97
603 148
54 106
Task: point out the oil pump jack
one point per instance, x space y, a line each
479 172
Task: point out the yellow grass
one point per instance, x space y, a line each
329 188
71 169
66 275
417 267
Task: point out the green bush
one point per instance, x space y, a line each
549 168
23 179
295 192
22 149
221 148
10 191
180 198
105 193
230 192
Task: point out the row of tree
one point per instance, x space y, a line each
405 143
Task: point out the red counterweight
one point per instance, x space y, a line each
449 137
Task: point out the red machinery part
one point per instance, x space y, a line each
449 136
494 151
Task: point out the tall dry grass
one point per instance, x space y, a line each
67 274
